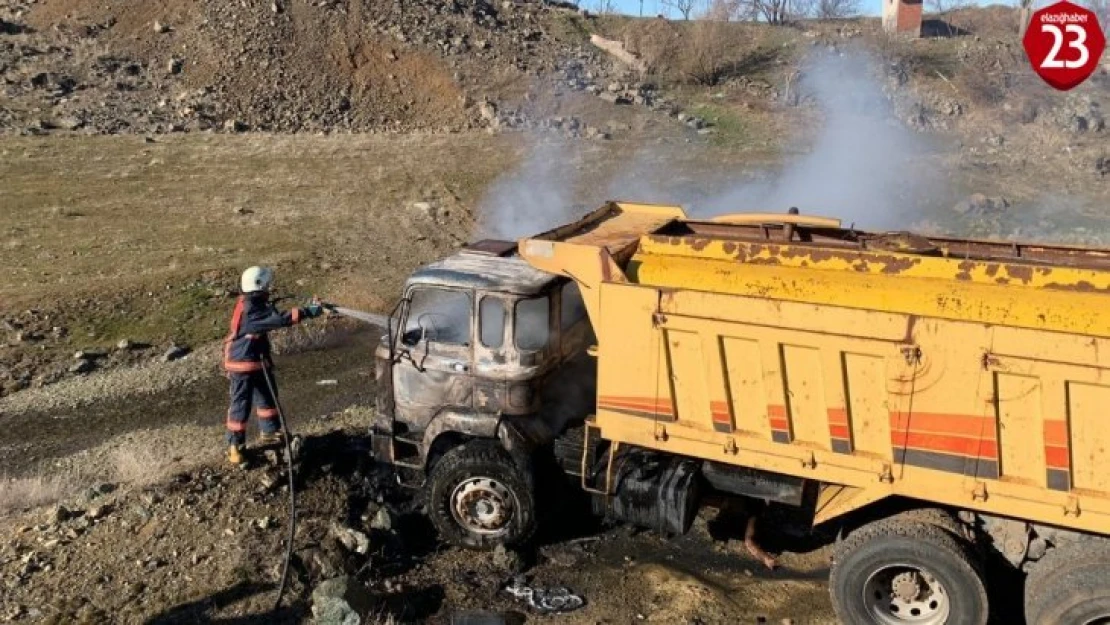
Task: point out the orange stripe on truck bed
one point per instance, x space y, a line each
1057 457
974 426
647 404
946 444
1056 433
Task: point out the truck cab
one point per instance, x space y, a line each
481 348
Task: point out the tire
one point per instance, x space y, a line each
501 508
1070 584
920 558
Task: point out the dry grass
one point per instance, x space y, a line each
132 463
141 466
17 494
704 52
117 220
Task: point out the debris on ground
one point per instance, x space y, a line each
545 600
340 601
507 559
352 539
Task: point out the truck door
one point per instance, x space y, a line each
435 355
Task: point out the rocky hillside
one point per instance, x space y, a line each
286 65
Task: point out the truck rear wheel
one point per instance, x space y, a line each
896 571
479 498
1071 584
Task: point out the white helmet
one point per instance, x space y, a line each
256 279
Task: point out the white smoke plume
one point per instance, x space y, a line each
865 166
536 196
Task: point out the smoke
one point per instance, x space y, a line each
865 166
536 196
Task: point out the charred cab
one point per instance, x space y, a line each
473 346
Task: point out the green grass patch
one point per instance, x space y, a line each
733 128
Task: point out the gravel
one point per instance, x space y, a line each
143 379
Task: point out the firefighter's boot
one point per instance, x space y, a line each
271 438
235 455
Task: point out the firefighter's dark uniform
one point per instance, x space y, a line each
246 351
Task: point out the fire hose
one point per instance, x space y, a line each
371 318
286 435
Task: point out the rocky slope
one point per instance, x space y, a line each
286 65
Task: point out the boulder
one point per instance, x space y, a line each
340 601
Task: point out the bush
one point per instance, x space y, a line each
704 52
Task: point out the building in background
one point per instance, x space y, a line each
902 17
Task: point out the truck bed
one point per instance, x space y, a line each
968 373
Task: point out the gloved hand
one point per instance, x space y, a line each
313 310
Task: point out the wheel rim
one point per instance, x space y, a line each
903 593
483 505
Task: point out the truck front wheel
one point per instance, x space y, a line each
897 571
479 498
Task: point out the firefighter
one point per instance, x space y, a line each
247 352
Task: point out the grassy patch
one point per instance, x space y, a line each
31 492
731 127
567 26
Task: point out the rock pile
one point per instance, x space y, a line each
363 65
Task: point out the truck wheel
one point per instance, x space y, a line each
1071 584
896 571
479 498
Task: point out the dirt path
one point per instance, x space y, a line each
204 546
35 438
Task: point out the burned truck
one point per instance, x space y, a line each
931 401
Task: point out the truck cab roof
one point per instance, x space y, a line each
488 265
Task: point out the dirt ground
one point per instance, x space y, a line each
107 241
145 165
153 529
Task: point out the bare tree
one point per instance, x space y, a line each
684 7
724 10
944 6
772 11
1024 14
605 7
775 11
834 9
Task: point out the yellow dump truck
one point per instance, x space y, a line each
936 401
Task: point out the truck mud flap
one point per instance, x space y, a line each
654 491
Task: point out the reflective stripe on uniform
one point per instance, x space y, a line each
236 426
296 316
238 366
242 366
267 413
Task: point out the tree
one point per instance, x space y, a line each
605 7
772 11
684 7
944 6
834 9
723 10
1024 14
779 11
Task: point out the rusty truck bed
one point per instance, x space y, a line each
970 373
